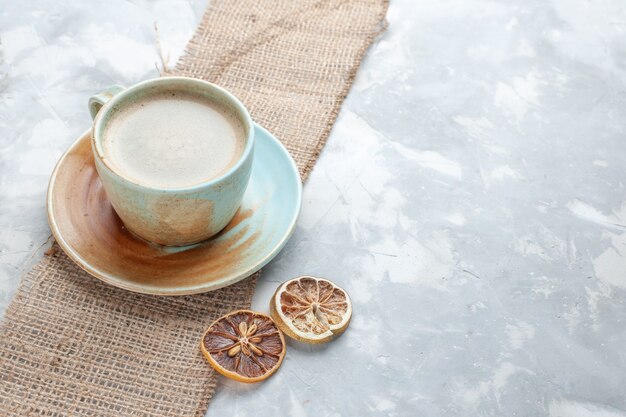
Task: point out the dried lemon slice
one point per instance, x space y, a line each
311 310
244 345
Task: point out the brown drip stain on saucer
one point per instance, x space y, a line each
88 221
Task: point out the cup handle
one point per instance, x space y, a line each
98 100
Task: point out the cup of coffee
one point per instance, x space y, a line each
174 155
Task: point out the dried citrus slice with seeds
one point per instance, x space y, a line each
311 310
244 345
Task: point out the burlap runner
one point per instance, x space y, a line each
71 345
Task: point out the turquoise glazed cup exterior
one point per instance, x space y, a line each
172 216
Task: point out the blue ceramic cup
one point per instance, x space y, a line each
172 216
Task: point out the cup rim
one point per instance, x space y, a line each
98 127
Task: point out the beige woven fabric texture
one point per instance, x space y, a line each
73 346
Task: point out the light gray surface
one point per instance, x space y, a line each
470 199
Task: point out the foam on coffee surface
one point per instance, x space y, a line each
172 140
